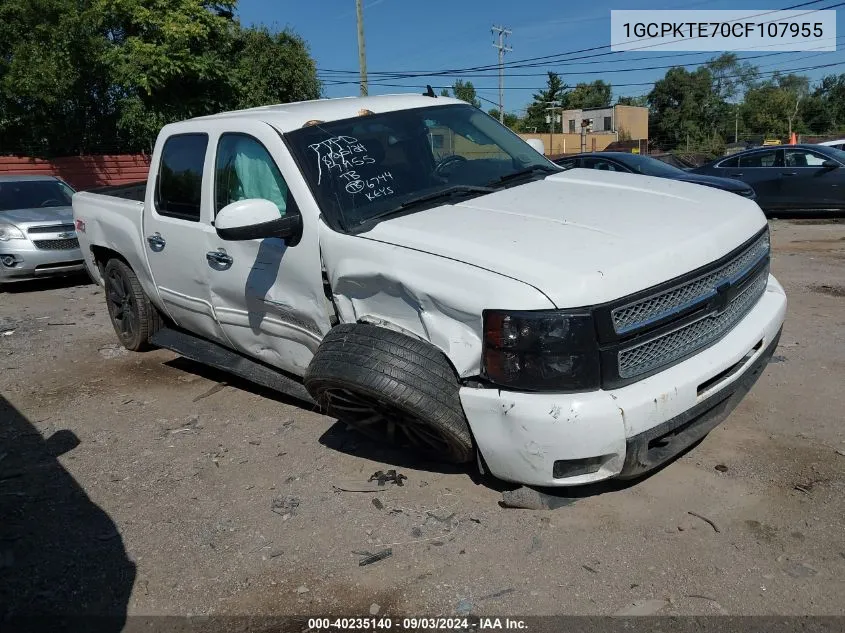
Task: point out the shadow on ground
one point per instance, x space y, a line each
48 283
60 554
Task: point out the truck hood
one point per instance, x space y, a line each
583 237
38 214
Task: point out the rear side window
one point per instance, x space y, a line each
731 162
179 186
762 159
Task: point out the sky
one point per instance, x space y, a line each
436 35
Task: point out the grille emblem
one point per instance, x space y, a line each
720 301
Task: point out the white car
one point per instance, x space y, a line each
425 275
837 144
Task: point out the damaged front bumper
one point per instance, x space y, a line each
573 439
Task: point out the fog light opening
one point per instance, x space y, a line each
564 468
8 260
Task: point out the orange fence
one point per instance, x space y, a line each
81 172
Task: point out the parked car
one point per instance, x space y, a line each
37 236
647 166
803 178
422 273
837 144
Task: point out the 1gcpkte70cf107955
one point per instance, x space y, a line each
424 274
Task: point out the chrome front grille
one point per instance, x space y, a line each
57 245
676 344
52 228
644 312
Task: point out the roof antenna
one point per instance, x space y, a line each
429 92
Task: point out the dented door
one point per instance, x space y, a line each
267 294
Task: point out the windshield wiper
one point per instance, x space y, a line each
522 173
456 190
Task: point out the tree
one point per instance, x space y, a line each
510 120
272 68
825 108
444 92
684 108
730 77
640 100
773 108
589 95
465 91
105 75
535 116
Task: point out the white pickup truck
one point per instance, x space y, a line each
425 275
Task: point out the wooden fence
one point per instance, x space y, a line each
81 172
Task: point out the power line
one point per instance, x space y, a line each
646 83
522 62
628 70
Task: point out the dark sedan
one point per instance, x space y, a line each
802 178
647 166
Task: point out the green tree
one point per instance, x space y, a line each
510 120
105 75
465 91
444 92
641 100
272 68
535 116
589 95
730 77
774 107
685 109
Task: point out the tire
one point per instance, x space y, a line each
132 315
393 388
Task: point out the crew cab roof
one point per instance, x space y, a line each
286 117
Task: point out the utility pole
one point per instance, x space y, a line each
362 51
551 118
502 48
736 126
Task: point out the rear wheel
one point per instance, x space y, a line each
133 317
392 388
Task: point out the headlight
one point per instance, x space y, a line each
548 350
10 232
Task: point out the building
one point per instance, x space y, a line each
610 125
629 122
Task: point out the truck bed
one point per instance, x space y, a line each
129 191
110 220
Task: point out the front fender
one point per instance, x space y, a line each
433 298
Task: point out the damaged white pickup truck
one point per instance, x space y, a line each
425 275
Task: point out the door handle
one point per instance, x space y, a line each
156 242
219 259
789 173
735 174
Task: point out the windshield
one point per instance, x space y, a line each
364 168
648 166
30 194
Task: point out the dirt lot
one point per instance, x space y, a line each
168 488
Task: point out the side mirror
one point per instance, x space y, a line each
830 164
255 219
537 145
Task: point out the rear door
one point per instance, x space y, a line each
760 169
176 222
808 185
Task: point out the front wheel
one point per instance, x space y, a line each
132 315
393 388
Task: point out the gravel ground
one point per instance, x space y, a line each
147 484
